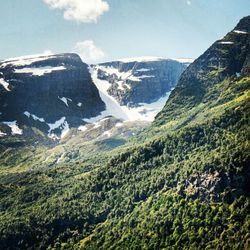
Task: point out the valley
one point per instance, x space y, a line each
139 153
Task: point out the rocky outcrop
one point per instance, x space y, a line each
141 80
51 92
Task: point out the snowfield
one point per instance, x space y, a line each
144 112
39 71
26 60
121 75
15 130
61 124
141 59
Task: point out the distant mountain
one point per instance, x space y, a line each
55 93
140 80
51 92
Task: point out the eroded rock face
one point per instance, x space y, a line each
40 90
214 186
140 80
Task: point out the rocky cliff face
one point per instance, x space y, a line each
50 92
227 57
140 80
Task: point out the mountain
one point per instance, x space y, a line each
186 179
55 93
140 80
50 92
180 184
136 88
227 57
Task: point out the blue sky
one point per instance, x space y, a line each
102 30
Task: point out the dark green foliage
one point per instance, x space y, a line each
65 204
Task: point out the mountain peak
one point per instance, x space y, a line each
29 59
152 59
141 59
47 91
244 24
227 57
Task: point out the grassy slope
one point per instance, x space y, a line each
181 215
71 204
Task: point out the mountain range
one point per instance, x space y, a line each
179 182
54 93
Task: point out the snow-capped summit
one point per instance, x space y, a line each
141 59
136 88
57 92
51 92
143 81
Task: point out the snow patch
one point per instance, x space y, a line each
120 75
5 84
39 71
144 112
143 70
107 133
15 130
83 128
65 100
36 118
61 123
240 32
122 84
153 59
65 129
53 136
146 76
97 125
26 60
27 114
2 134
141 59
226 42
79 104
184 60
119 124
56 125
60 158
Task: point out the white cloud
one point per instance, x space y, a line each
188 2
83 11
47 52
88 51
